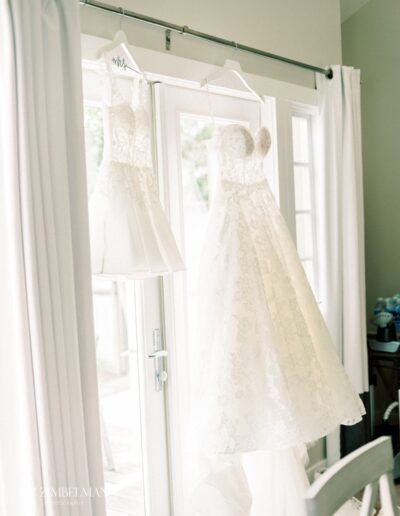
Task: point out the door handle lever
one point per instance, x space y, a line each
159 355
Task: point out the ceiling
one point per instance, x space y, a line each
349 7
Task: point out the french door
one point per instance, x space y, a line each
188 121
144 329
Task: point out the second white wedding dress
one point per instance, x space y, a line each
129 231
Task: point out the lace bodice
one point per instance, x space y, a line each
129 135
127 128
241 154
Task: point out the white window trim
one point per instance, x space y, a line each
309 113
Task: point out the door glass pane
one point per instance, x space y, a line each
118 375
196 135
304 235
116 328
199 170
302 188
300 139
94 141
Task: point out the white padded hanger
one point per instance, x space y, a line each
231 67
120 41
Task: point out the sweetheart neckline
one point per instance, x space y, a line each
253 134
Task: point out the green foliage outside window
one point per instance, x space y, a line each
196 135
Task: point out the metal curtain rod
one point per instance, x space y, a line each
184 29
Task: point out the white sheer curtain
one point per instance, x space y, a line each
50 448
342 193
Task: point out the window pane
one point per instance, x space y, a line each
94 143
302 188
197 178
199 172
119 390
304 235
300 139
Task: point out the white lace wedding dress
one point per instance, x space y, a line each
268 377
129 231
271 378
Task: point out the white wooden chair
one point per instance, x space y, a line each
369 467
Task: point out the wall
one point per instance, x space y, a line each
307 31
371 42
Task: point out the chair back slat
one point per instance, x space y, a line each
388 495
369 499
366 466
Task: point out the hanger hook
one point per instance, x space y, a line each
121 15
235 51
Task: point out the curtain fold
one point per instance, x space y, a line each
342 257
50 448
345 306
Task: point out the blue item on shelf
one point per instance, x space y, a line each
390 305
